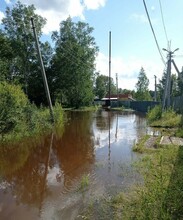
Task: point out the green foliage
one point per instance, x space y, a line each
6 55
74 63
142 93
84 182
154 114
102 86
139 147
12 105
19 118
169 118
21 65
160 197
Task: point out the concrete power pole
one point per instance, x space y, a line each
167 91
43 71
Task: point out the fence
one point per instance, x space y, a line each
177 103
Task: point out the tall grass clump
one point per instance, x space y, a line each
168 118
154 114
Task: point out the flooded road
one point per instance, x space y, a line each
57 177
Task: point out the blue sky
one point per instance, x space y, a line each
133 45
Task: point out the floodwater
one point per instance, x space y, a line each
42 179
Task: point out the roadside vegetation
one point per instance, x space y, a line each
160 196
166 119
19 118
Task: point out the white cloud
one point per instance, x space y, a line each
56 11
1 16
153 8
94 4
128 71
142 18
8 2
139 17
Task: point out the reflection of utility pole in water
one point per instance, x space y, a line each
116 135
109 152
43 188
110 69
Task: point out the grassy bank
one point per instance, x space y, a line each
84 108
161 195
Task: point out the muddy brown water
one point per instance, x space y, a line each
42 179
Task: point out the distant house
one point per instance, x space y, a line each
118 100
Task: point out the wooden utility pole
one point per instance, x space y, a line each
109 68
155 89
43 71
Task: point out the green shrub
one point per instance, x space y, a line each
12 105
19 118
154 114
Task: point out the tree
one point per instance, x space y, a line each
142 93
6 56
24 63
102 86
74 63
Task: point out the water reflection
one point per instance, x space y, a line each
37 181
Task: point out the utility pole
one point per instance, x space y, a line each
43 71
167 91
109 68
117 89
155 89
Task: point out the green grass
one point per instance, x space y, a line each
161 195
166 119
139 147
36 123
84 182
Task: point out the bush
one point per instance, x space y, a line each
12 105
19 118
154 114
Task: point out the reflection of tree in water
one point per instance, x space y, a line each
27 182
140 119
102 119
12 157
75 150
73 154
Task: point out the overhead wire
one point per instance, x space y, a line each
153 32
163 21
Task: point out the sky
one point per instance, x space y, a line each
132 42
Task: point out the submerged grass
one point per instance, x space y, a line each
84 182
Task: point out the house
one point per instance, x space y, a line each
118 100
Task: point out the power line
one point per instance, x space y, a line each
153 32
163 21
